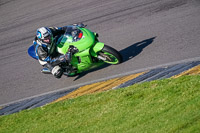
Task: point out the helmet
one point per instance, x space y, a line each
44 36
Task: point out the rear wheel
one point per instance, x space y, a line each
110 55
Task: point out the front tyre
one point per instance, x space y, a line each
110 55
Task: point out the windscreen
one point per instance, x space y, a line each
72 34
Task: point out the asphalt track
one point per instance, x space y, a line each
147 33
171 71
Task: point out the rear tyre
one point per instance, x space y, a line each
110 55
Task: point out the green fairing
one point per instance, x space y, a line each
84 43
88 47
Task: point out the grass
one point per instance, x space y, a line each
169 105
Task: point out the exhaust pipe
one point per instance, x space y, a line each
101 58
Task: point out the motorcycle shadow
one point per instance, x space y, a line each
135 49
127 54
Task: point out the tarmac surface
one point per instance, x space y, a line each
148 33
171 71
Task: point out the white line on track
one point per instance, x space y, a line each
107 78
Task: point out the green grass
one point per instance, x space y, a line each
169 105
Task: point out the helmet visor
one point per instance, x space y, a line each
47 39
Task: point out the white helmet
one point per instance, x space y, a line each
44 36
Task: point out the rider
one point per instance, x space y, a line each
45 48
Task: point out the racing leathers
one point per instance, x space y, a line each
48 56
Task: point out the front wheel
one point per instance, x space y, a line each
110 55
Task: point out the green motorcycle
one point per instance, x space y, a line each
90 53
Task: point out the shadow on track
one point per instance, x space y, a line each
135 49
127 54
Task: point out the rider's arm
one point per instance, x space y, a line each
57 30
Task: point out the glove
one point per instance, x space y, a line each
57 71
72 50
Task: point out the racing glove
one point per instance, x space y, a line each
72 50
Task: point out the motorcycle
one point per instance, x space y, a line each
90 53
